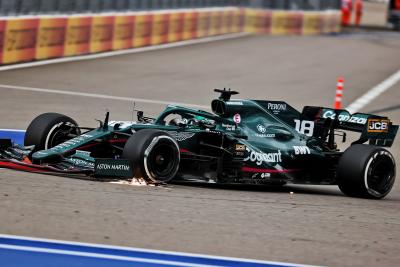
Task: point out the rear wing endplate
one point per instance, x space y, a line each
378 130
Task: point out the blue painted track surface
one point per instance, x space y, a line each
17 136
20 251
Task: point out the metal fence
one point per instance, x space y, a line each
298 4
33 7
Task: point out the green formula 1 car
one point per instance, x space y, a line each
241 142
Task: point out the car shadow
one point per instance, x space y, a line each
331 190
328 190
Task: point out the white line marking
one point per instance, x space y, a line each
123 13
124 52
12 130
147 250
100 256
374 93
121 98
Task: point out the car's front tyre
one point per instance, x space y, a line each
50 129
366 171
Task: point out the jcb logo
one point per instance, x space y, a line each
378 126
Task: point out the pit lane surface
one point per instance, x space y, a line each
315 225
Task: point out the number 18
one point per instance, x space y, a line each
305 127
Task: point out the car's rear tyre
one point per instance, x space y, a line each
50 129
155 155
366 171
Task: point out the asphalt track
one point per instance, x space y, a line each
315 225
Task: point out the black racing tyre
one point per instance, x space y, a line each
155 155
50 129
366 171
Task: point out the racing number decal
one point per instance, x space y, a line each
305 127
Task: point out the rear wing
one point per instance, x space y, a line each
378 130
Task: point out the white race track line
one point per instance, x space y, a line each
100 96
12 130
175 253
374 93
352 108
124 52
100 256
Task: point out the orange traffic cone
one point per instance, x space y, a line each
359 12
347 9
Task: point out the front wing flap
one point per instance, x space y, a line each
13 156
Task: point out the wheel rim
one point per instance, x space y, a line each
161 159
60 133
380 174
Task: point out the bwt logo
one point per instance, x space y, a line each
301 150
378 126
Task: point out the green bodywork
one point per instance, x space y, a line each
281 143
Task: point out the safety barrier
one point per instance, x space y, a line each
292 22
36 38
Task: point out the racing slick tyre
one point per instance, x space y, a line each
50 129
366 171
155 155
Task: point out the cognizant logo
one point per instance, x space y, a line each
260 158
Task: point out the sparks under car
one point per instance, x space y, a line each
241 142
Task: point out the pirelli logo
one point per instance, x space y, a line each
378 125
